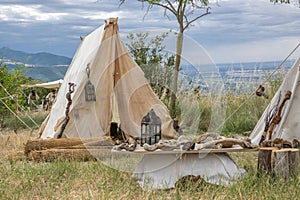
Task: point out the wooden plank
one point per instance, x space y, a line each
178 151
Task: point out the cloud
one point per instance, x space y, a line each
23 13
236 30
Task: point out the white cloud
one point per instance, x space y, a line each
236 30
27 13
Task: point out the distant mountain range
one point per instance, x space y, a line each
42 66
50 67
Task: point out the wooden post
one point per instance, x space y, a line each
280 163
294 160
264 164
16 116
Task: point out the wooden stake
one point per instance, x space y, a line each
16 116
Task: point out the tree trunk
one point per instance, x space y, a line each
179 43
285 163
279 163
264 159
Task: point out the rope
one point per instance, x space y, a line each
5 98
15 114
22 107
233 113
283 61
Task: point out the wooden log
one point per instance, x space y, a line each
42 144
224 143
279 163
68 154
264 164
294 161
86 147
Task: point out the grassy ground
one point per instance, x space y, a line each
23 179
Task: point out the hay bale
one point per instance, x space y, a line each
68 154
43 144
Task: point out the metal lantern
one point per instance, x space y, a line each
90 94
150 128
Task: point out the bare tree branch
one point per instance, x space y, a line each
171 5
166 7
196 18
184 6
148 8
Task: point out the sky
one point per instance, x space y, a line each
235 31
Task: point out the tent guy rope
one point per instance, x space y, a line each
15 114
277 68
22 107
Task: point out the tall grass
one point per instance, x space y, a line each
62 179
24 120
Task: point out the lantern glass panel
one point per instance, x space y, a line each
150 128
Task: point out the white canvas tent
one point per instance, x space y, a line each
122 92
289 125
124 95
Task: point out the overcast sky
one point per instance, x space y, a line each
235 31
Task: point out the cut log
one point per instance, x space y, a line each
40 144
279 163
225 143
264 164
285 163
294 161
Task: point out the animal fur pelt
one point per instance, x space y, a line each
280 143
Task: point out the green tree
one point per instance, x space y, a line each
148 52
186 12
10 85
281 1
294 2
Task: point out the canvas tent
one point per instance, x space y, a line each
47 85
122 93
289 125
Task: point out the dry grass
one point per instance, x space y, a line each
61 179
12 143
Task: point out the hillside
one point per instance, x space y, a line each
42 66
40 59
50 67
